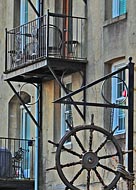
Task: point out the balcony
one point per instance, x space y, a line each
16 163
54 40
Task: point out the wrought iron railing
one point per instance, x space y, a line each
16 158
52 35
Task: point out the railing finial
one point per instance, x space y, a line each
130 59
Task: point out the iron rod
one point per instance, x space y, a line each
92 84
32 117
130 115
84 94
6 50
47 33
33 7
60 83
92 104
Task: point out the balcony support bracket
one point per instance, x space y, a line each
23 103
66 91
33 7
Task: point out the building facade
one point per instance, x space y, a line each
65 51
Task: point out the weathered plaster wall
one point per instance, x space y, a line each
6 94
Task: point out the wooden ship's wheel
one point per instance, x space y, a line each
90 159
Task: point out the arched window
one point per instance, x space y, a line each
14 128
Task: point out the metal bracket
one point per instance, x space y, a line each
90 85
33 7
85 1
21 100
70 101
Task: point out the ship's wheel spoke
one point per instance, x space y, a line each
88 180
99 177
72 152
79 143
90 139
70 164
107 168
64 148
108 156
101 145
77 175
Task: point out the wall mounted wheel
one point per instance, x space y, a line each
92 157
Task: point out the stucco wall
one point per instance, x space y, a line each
6 94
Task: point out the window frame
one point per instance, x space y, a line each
113 10
115 98
64 128
23 11
25 133
119 7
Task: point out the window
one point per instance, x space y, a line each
15 114
20 18
115 8
25 124
118 8
66 113
118 96
24 12
20 12
25 134
16 13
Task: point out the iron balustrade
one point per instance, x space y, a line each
52 35
16 158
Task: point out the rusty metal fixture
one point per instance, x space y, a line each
88 160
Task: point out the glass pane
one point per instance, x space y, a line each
121 116
121 122
67 113
118 95
122 7
118 7
120 84
115 8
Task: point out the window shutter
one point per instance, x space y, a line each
122 7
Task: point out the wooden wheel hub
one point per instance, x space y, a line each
89 160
